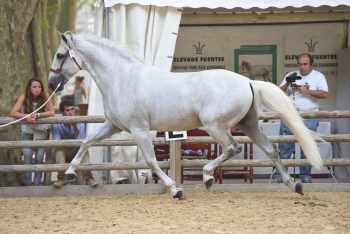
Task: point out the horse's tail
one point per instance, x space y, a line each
273 98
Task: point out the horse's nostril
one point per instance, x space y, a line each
50 85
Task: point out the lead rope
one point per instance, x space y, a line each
24 117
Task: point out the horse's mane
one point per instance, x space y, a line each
120 45
248 65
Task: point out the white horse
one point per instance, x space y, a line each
138 98
256 71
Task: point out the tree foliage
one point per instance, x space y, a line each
28 41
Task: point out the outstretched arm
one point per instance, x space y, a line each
285 87
50 110
314 93
83 91
16 110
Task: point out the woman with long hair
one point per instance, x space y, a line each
32 99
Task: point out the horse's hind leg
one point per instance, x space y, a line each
107 130
230 148
145 144
249 125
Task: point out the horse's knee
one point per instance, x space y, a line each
272 152
232 151
151 163
238 149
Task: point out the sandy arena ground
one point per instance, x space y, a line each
211 212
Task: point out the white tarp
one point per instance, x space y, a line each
230 4
150 32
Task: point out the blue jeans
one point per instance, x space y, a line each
287 148
28 154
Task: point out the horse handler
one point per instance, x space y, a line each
65 154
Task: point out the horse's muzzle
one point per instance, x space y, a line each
55 81
53 87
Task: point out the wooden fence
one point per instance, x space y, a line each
175 162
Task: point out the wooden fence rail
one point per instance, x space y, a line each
102 118
156 141
175 162
166 165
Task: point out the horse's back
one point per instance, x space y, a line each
189 99
204 85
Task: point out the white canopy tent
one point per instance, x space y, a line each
231 4
150 32
149 28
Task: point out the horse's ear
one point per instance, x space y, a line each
68 38
64 38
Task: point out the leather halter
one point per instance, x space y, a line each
70 52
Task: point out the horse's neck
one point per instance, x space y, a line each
249 66
107 63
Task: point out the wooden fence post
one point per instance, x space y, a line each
175 162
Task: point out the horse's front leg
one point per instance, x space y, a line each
268 78
145 144
107 130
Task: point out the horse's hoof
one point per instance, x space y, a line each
299 188
69 177
178 195
209 183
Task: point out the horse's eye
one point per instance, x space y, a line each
60 56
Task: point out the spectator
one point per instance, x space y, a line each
33 98
79 90
307 91
66 154
78 93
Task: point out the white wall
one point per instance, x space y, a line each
290 39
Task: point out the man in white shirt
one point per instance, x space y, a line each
307 90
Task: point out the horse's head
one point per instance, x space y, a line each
244 63
65 61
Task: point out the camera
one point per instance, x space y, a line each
293 78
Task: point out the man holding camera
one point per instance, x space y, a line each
305 86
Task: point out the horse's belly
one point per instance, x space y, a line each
177 122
